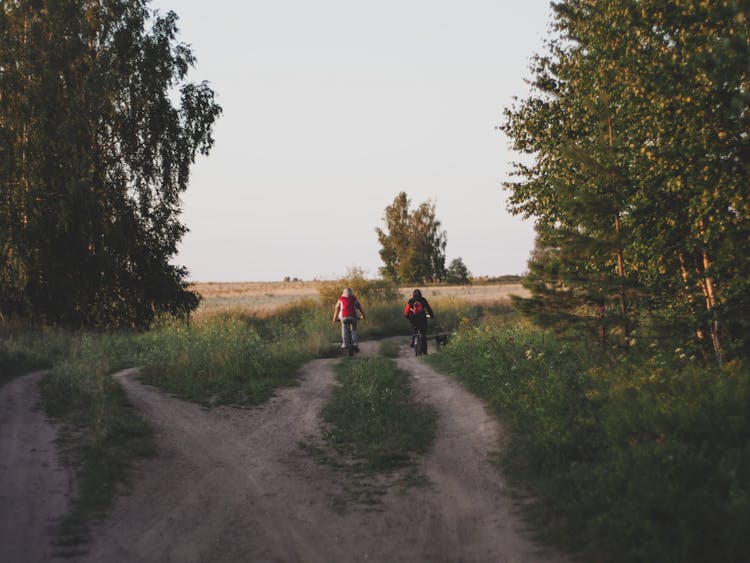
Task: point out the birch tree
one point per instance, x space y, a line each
95 157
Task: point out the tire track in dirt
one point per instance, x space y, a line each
477 518
34 484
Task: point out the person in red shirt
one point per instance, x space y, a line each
346 310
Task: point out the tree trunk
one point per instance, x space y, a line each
700 335
710 294
619 252
22 178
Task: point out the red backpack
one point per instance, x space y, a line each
416 309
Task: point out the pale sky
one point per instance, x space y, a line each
333 107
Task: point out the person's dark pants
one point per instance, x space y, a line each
420 324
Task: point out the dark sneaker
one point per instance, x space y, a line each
356 348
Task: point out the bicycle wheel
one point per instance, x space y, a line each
348 340
418 343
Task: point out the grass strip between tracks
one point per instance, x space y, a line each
373 419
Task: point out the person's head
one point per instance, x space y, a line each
347 292
416 294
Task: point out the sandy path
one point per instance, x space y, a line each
234 485
34 485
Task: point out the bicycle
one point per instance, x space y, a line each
349 344
419 342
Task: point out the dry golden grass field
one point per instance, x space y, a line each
266 296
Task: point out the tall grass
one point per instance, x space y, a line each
387 319
240 358
368 291
103 433
234 358
24 349
638 458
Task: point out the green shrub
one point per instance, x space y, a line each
23 349
637 458
368 291
235 358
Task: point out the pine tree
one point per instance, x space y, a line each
576 189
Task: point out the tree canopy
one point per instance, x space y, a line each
637 125
98 129
412 244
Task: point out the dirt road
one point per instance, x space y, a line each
234 485
34 485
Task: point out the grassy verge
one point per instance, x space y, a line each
386 319
103 435
638 458
23 350
233 358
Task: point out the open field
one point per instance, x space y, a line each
482 294
267 296
256 296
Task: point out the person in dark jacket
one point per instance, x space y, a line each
417 310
